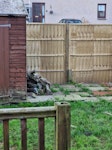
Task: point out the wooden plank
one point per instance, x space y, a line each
6 134
45 39
41 134
27 112
67 55
93 39
4 59
45 55
24 134
88 55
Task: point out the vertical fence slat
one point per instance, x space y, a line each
24 134
67 57
41 134
62 126
6 134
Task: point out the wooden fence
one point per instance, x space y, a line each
61 113
60 52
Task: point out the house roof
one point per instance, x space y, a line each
12 7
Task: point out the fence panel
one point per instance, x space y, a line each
60 52
46 50
90 53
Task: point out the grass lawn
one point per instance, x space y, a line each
91 127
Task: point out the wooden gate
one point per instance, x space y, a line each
4 58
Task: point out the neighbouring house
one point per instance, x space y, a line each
12 47
51 11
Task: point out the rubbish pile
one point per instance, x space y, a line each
37 84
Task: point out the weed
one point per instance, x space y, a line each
54 90
64 91
56 85
83 88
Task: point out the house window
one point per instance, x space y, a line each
38 12
101 11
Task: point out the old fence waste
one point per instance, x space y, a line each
37 85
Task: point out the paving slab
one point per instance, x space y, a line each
91 84
40 98
70 88
71 97
90 99
85 98
108 98
102 93
100 88
75 97
84 94
75 94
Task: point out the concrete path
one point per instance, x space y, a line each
80 92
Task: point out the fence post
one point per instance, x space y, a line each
6 134
67 53
62 126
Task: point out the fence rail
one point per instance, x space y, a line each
61 113
60 52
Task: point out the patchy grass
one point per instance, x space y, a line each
91 127
56 88
83 88
64 91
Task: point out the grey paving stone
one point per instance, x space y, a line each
108 98
75 97
97 88
85 98
39 98
84 94
75 94
91 85
70 88
68 97
91 99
